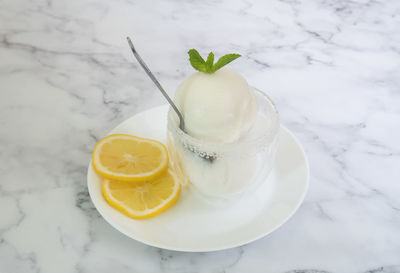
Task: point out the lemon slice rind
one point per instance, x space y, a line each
105 172
142 214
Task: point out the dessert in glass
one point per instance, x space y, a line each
229 141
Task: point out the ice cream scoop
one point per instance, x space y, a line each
230 135
218 107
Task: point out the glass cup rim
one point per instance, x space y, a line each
212 146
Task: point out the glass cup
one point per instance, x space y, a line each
220 173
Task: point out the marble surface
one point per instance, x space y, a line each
67 77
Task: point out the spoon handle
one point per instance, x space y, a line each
153 78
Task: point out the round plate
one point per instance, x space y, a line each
191 225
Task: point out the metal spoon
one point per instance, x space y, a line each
205 156
153 78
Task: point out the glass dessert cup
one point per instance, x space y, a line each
225 172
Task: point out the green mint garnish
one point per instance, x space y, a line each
210 62
208 66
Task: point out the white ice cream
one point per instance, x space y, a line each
218 107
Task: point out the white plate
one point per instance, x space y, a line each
191 225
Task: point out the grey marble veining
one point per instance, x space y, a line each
67 77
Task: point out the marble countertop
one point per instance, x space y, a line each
67 77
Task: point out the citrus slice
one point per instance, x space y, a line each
129 158
142 199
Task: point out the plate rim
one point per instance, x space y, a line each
244 242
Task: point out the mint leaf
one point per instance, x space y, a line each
197 61
210 62
224 60
208 66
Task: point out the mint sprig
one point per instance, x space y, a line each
208 66
210 62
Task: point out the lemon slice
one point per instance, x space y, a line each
142 199
129 158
